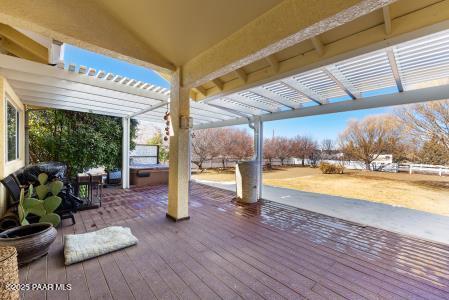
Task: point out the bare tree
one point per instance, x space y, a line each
223 143
365 140
327 148
243 144
427 124
283 148
203 146
303 147
269 150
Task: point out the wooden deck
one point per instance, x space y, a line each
229 251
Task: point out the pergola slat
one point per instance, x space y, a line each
31 87
74 100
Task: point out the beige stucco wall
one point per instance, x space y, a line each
7 168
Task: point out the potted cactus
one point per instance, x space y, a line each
33 240
44 205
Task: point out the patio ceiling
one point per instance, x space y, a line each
205 39
340 68
224 47
408 72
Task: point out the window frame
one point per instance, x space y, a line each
8 101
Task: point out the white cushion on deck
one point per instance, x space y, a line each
79 247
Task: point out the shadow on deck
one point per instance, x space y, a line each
226 250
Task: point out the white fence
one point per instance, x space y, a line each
351 165
423 168
395 167
217 163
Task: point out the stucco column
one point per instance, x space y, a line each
125 152
179 160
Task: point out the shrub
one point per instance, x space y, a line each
328 168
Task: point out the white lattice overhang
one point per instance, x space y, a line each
414 71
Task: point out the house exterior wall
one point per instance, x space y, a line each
6 167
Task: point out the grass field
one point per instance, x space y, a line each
428 193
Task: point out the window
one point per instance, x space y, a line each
12 121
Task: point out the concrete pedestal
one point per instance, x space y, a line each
246 181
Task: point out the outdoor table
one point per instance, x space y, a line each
93 181
96 182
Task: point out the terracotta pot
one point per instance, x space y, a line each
31 241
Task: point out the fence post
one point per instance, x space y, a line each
410 169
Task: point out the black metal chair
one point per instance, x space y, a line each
13 187
114 177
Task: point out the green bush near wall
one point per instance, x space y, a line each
81 140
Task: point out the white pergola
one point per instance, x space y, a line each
405 73
410 72
83 89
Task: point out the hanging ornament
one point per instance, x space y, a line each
168 123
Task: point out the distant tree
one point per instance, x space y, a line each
269 150
365 140
283 148
203 146
433 152
327 148
427 124
303 147
223 143
158 139
243 144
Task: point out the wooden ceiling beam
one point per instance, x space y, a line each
242 75
25 42
201 90
218 83
274 63
19 51
318 45
387 19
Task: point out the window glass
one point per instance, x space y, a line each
12 117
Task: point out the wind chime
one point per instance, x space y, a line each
167 123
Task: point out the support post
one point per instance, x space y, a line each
27 137
125 153
258 152
179 164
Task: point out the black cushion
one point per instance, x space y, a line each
143 174
54 170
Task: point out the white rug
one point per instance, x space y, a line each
79 247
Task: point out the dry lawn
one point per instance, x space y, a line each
428 193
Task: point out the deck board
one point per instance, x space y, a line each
231 251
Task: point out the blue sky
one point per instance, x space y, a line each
100 62
318 127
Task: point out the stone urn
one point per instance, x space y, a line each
31 241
